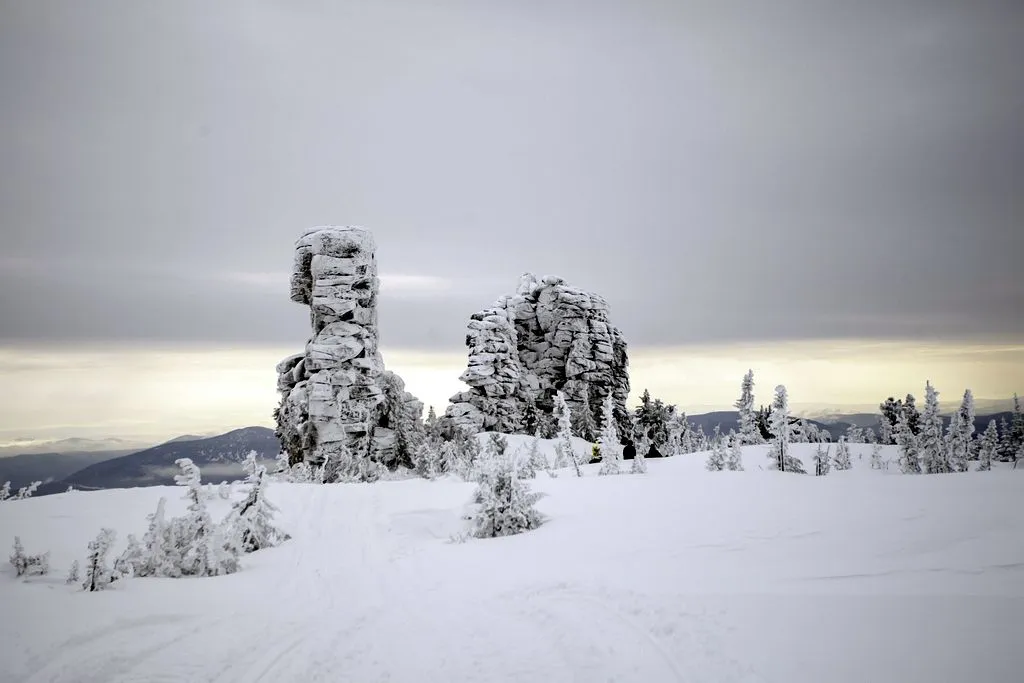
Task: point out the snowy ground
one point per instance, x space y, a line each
677 575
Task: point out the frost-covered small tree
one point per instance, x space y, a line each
73 574
427 460
252 518
5 491
842 459
611 456
910 450
131 559
934 455
958 436
889 411
583 424
988 449
876 456
822 462
855 434
639 460
749 433
97 575
716 459
505 505
734 458
29 565
565 453
161 555
27 491
782 459
205 549
700 440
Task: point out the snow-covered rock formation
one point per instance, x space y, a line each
547 337
336 395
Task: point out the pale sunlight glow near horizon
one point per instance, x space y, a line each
156 394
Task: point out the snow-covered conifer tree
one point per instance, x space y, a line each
205 551
29 565
822 460
716 459
854 434
566 454
251 519
5 491
734 458
1016 432
934 455
583 424
699 440
639 460
876 456
161 555
842 459
18 557
989 447
611 456
958 437
27 491
749 433
73 574
427 460
504 502
780 454
97 575
131 559
910 451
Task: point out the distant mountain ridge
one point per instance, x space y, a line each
220 458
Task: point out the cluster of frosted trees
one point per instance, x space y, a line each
193 544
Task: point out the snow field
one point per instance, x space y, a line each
676 575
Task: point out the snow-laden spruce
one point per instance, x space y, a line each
934 455
29 565
565 452
716 459
822 460
97 574
910 451
749 433
23 493
611 454
504 504
205 548
251 520
959 433
734 458
780 455
988 449
842 460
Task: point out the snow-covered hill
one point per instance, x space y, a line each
676 575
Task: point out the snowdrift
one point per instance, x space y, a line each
676 575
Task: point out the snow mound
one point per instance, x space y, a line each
679 574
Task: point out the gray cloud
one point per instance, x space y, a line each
772 171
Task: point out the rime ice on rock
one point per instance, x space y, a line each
337 394
548 337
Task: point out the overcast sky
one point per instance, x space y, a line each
746 172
